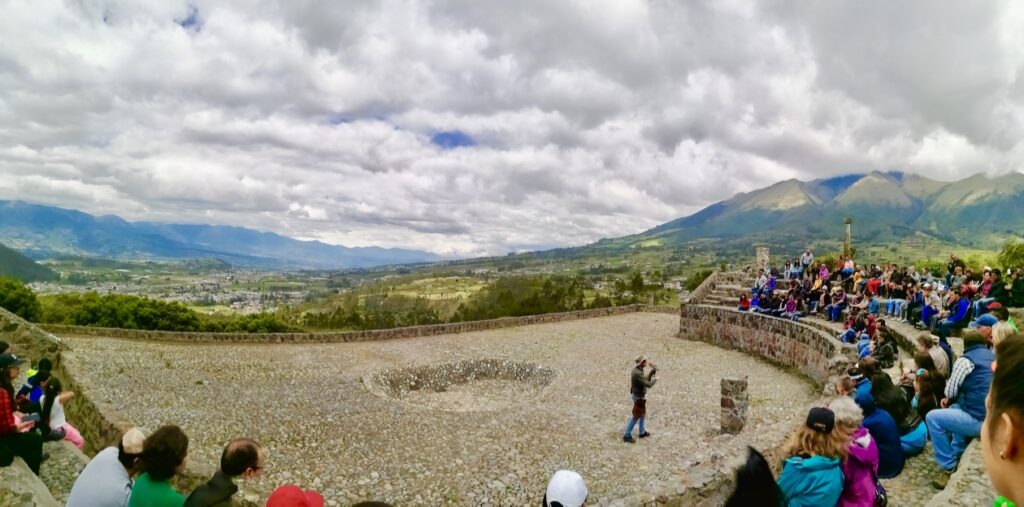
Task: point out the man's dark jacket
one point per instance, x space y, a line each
216 492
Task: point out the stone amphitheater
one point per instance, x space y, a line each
469 414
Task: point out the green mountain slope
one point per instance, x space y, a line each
17 266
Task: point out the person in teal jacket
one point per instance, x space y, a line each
811 475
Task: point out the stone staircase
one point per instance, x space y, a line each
726 288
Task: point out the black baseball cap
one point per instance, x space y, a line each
10 360
821 419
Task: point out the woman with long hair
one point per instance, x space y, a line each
1002 432
164 455
913 432
52 414
929 387
14 441
810 473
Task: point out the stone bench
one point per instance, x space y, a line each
19 487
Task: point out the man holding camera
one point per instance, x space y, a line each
638 389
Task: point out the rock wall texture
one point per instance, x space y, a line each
734 404
803 348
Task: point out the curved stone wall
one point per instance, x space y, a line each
808 350
353 336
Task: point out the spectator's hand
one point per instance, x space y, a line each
945 402
19 415
24 425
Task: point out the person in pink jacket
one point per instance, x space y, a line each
861 466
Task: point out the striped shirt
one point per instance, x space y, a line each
961 369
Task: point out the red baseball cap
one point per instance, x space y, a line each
291 495
995 304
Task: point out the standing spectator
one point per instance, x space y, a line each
13 440
806 260
1002 433
164 454
107 480
52 414
242 457
886 433
639 383
861 466
810 474
963 408
567 489
755 484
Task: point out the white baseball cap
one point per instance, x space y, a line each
566 489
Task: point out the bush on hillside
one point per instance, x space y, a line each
19 299
1012 254
694 281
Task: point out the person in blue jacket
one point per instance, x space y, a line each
810 474
885 431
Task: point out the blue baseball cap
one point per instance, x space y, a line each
10 360
987 320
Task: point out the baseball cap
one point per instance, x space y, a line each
132 441
821 419
566 489
10 360
987 320
994 305
291 495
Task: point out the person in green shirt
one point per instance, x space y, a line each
164 454
1002 433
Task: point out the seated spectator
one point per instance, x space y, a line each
912 431
861 466
566 489
52 414
163 456
997 293
823 271
1000 332
760 283
790 311
744 303
835 309
861 382
957 279
1000 312
926 343
291 495
984 326
810 473
1016 289
932 306
1001 435
929 390
886 434
755 484
848 268
14 441
963 408
884 349
107 480
242 458
845 386
34 386
957 317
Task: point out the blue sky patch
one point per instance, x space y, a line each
191 21
452 139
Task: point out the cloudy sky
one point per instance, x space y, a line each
478 127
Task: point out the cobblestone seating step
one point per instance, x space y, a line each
60 471
19 487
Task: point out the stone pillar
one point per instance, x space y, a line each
761 259
650 299
734 405
848 238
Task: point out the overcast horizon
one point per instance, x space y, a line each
472 128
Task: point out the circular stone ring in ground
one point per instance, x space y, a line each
471 385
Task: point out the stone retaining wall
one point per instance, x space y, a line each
810 351
354 336
702 290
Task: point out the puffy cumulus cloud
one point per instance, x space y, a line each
575 119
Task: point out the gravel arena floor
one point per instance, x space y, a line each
323 429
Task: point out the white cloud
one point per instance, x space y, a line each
591 119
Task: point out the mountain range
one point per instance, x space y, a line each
978 212
45 231
886 207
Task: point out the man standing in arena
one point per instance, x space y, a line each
639 382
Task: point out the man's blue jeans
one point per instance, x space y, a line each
951 429
835 311
981 306
633 422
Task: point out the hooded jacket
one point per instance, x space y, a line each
886 435
811 482
858 479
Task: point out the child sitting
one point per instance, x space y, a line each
53 414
